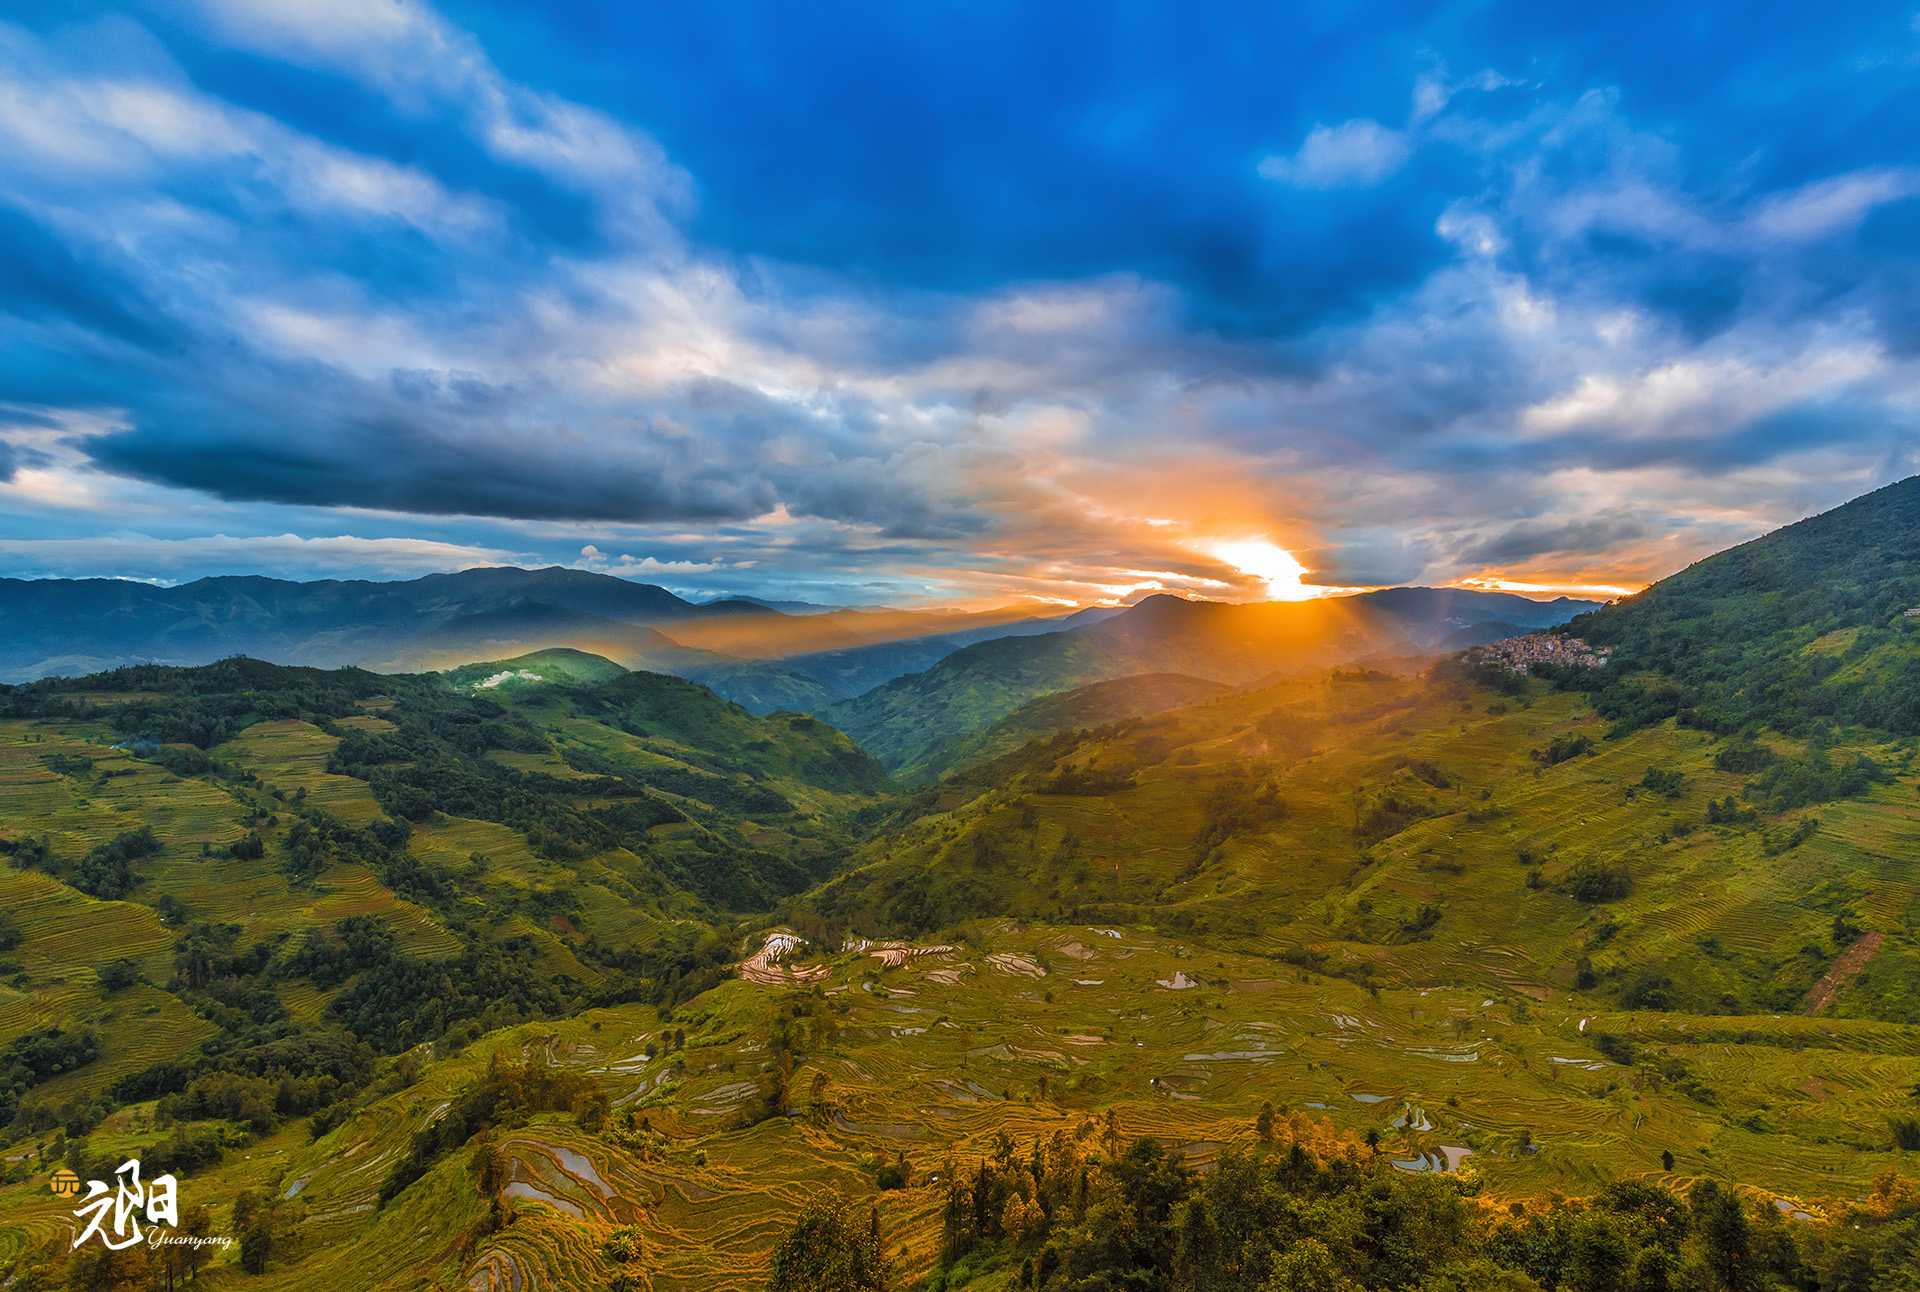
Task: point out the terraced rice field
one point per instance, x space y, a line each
291 756
1472 1041
1031 1029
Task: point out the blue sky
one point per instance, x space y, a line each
949 302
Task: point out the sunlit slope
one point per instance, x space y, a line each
1408 832
1083 707
773 637
906 722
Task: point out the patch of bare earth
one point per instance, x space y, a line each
1845 967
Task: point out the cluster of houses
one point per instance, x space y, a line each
1518 654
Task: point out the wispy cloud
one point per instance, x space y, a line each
142 556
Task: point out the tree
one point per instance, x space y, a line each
1307 1266
821 1105
1600 1254
830 1249
256 1243
1726 1233
489 1167
1020 1218
197 1223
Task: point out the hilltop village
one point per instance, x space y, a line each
1518 654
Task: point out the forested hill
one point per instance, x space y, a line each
1805 624
587 764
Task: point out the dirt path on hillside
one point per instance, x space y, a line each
1845 967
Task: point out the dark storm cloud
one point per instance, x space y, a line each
1524 540
465 448
40 279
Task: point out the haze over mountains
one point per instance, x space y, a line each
63 627
760 657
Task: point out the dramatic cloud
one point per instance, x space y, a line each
867 305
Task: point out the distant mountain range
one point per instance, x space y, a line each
63 627
907 683
66 627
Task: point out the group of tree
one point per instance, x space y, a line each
1307 1210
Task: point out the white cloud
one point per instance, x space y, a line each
407 51
1833 205
90 135
142 556
1703 394
1352 154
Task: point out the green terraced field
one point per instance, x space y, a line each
938 1068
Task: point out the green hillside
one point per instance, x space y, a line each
243 867
560 664
1804 626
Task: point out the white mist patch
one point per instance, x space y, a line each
512 675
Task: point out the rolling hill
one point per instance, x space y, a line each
1095 705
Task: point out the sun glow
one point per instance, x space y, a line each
1272 565
1490 583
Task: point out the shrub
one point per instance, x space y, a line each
105 872
1561 748
1594 881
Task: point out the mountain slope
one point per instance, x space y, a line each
1803 626
1427 830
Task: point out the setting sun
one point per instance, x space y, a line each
1271 564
